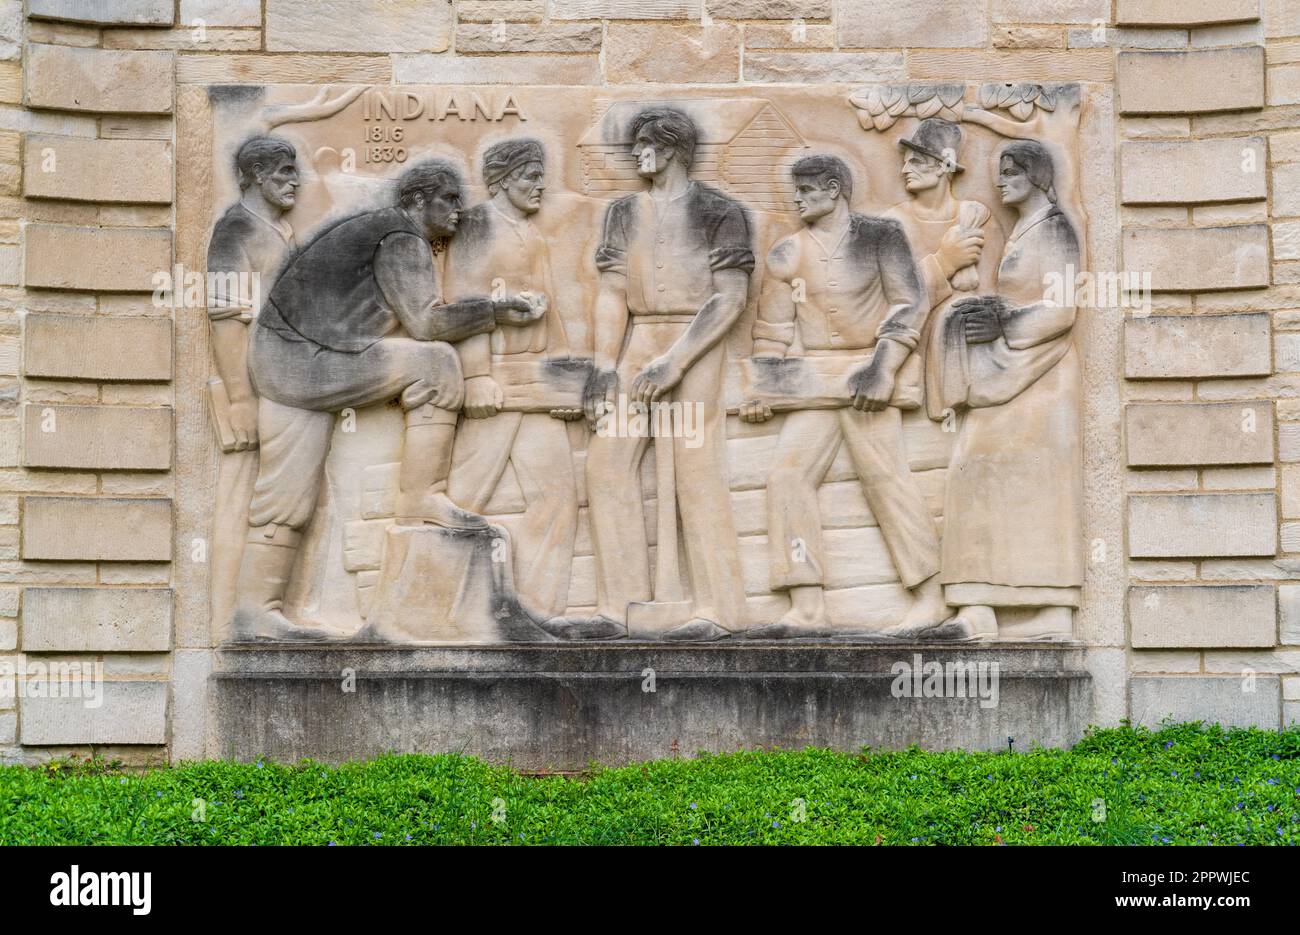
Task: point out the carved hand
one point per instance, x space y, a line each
243 420
483 397
872 387
566 415
658 378
980 318
959 249
516 311
598 394
755 411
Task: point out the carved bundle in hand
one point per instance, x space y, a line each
971 216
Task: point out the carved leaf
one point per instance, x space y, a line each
919 93
1047 99
1022 110
951 94
929 108
1006 95
989 94
883 121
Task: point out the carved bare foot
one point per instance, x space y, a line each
805 618
698 630
599 627
928 609
273 625
416 508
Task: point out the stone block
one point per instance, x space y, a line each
1184 12
1185 346
625 9
1195 616
900 24
76 169
100 80
97 438
661 52
1226 700
95 259
120 620
1051 11
1222 525
105 12
1177 434
1199 259
1193 172
358 26
526 37
86 347
1191 82
221 12
105 530
127 713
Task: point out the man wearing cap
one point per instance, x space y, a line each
356 318
674 263
497 246
849 284
947 236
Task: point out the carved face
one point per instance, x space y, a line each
1013 182
524 188
651 157
439 213
280 184
921 172
813 199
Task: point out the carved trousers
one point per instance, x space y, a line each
301 388
618 527
807 445
537 446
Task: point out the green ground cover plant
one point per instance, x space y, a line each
1183 784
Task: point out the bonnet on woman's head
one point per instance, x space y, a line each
1033 157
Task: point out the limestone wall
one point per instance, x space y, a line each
1190 172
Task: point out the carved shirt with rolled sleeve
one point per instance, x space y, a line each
843 296
244 255
669 252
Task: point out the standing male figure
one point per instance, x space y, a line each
860 293
674 265
356 318
497 246
249 243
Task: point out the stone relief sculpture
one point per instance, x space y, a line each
687 369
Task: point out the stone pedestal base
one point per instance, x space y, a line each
563 706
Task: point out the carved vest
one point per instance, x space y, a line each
328 295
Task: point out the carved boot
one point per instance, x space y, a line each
426 464
263 580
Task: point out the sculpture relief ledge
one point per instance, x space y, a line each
555 364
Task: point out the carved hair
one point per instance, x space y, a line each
428 178
825 169
1036 162
261 152
668 127
502 160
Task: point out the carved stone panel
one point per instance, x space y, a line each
560 363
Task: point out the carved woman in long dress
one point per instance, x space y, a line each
1013 526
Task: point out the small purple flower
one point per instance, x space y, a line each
695 840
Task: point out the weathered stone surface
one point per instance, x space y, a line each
101 80
772 9
625 9
85 529
124 620
357 26
663 53
1194 525
117 259
824 66
1183 346
1037 65
929 24
109 438
1193 172
258 68
129 713
84 347
1288 599
1286 190
1184 12
1226 700
1200 259
105 12
1173 434
78 170
492 69
1189 616
185 39
558 37
1191 81
1050 11
221 12
1028 37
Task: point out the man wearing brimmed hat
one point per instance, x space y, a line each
947 235
498 247
356 318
